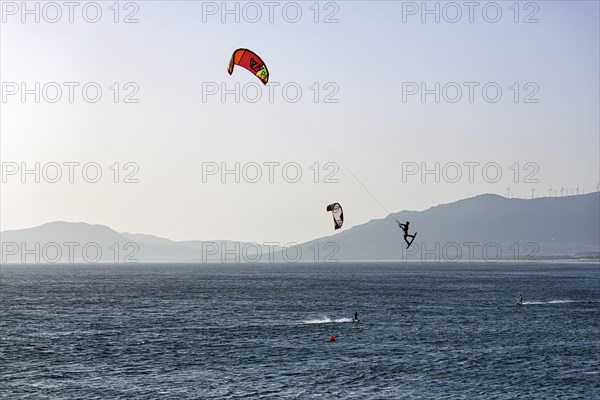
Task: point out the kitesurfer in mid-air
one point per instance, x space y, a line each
404 227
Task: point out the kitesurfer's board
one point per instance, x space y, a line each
354 320
411 242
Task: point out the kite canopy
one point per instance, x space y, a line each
252 62
337 213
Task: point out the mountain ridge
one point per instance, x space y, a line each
540 227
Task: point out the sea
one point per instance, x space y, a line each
264 331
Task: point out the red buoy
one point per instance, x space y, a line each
332 338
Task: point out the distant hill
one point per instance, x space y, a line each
68 242
485 227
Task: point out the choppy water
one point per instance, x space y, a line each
261 331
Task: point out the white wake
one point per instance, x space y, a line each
552 301
327 320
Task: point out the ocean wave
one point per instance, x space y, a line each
553 301
327 320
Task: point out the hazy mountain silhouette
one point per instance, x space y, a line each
81 242
483 227
478 228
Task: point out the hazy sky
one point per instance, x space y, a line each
360 108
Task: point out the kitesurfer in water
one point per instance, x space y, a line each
404 227
355 316
520 299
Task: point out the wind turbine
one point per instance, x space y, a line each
550 192
508 193
532 190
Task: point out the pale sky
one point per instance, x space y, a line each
367 61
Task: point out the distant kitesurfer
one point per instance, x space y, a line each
355 315
520 301
404 227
